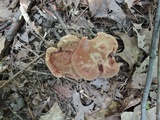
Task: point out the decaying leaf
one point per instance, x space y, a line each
81 109
100 83
23 8
132 103
131 50
3 66
55 113
151 114
2 41
105 114
107 9
69 2
94 6
19 102
140 74
98 98
64 91
129 3
13 4
41 107
5 13
144 39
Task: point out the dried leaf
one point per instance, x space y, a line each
3 66
55 113
144 39
100 83
24 37
5 14
13 4
139 76
23 8
129 3
94 5
2 41
64 91
132 103
80 109
131 50
151 114
108 9
69 2
3 106
19 102
41 107
104 114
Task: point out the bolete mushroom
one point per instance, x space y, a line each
94 58
58 59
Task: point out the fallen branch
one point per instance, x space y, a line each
158 81
153 54
5 25
9 80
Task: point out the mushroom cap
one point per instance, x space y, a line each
93 58
68 43
58 59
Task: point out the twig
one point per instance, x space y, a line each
153 54
158 84
9 80
29 110
5 24
15 113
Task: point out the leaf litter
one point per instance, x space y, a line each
36 94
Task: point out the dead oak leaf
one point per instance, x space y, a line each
94 5
64 91
81 109
139 75
131 50
5 13
107 9
55 113
129 3
144 37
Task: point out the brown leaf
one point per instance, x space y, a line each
131 50
55 113
5 14
94 6
107 9
64 91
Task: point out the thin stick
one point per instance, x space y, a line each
153 54
9 80
158 84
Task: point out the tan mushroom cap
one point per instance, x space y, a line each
93 58
58 59
68 43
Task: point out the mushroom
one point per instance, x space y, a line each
58 59
83 58
94 58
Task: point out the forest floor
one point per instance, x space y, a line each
28 90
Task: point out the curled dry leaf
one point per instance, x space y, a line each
131 50
83 58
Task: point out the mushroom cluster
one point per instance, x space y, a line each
82 58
